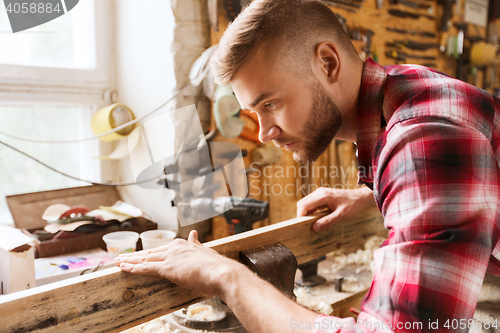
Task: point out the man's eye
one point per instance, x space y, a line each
270 106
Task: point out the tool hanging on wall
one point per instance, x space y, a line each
365 35
345 2
247 133
403 56
447 14
227 112
459 53
213 14
410 44
239 218
368 42
405 14
412 32
445 24
234 7
413 4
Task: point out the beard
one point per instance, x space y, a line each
323 122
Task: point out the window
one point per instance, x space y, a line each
66 42
52 78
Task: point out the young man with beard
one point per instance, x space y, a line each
433 144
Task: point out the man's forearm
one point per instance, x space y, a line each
366 198
261 307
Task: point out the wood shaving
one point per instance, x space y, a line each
304 300
360 257
200 312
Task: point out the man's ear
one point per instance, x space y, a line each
327 56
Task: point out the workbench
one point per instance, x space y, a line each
113 301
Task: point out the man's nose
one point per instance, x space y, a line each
268 130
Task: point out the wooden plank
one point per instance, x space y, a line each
342 308
112 301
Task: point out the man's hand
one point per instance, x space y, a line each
186 263
344 204
258 305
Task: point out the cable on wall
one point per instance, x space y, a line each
116 129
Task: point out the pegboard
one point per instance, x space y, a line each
421 30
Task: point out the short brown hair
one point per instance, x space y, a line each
297 26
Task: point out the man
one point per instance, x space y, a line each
428 146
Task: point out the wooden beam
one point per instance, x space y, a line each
112 301
342 308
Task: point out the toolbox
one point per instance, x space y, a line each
27 210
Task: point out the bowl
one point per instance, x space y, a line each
155 238
120 242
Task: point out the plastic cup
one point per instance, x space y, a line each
120 242
154 238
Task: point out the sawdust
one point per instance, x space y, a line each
200 312
158 326
360 257
341 264
153 326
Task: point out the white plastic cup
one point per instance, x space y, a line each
120 242
155 238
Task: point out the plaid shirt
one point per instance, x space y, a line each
429 147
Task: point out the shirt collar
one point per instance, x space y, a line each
369 117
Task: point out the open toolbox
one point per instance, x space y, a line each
27 210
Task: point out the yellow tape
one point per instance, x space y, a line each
110 117
484 54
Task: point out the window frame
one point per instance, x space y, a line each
88 84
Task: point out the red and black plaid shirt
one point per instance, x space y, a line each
429 145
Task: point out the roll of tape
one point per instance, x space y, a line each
110 117
484 54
